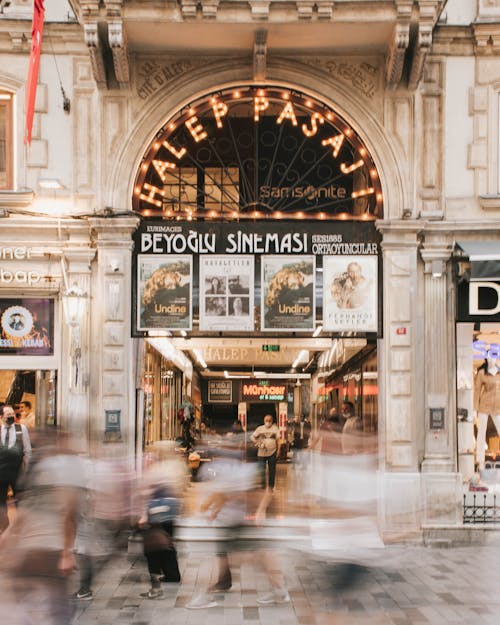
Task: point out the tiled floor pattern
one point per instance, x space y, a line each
391 586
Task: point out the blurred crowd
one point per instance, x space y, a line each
65 513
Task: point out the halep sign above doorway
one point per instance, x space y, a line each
257 152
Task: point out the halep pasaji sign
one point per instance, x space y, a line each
250 152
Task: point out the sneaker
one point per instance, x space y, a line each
201 602
220 587
153 593
277 596
84 595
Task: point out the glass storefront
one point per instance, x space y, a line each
36 390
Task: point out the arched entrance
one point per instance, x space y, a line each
258 257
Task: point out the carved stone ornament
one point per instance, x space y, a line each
118 45
96 56
155 74
363 77
259 55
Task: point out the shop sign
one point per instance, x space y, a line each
27 326
220 391
478 301
263 391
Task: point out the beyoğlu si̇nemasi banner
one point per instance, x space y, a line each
218 249
27 326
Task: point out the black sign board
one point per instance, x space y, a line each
478 301
220 391
173 243
436 418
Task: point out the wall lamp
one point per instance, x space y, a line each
437 268
74 302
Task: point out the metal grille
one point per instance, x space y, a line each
484 508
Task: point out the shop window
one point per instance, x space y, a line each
6 147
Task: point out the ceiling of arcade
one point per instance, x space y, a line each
398 30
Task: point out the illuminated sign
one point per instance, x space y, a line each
263 391
484 350
270 348
253 152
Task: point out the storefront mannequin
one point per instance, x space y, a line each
486 403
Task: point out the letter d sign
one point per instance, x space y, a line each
474 298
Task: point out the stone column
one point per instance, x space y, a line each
400 380
112 374
75 365
441 484
439 430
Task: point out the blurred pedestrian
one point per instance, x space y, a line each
15 453
39 543
161 493
105 510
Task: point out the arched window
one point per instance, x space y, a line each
257 152
6 145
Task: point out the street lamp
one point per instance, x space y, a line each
74 306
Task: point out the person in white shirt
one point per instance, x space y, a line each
15 450
267 439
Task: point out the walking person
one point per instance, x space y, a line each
15 453
159 550
266 438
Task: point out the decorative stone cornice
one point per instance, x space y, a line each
259 55
16 199
428 15
91 35
118 45
396 56
260 9
422 48
305 9
487 38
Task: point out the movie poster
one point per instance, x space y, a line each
164 292
288 298
350 293
227 293
27 326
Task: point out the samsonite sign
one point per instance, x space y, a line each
478 301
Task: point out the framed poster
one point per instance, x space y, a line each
164 289
350 293
227 293
220 391
288 293
27 326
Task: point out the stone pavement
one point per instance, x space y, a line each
353 584
393 585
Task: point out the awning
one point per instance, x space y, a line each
484 257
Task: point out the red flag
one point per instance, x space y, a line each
32 80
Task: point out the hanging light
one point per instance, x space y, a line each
74 305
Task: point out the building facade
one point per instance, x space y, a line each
416 81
